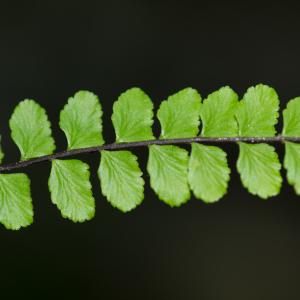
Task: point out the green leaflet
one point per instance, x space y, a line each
119 172
121 179
179 115
168 169
259 168
16 209
257 113
133 116
218 113
208 169
81 121
168 165
30 130
208 172
259 165
172 172
291 118
292 165
1 152
291 121
71 190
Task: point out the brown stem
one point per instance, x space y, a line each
118 146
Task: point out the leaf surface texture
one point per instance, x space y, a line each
121 179
71 190
168 169
81 121
30 130
16 209
208 172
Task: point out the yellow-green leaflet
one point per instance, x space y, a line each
208 172
133 116
119 173
121 179
291 118
81 121
218 113
259 165
16 209
179 114
259 168
188 157
292 165
168 170
1 152
208 168
257 112
291 127
71 190
30 130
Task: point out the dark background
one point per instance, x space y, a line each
240 248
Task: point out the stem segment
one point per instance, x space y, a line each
114 146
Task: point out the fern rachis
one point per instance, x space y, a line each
174 172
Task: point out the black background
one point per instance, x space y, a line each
240 248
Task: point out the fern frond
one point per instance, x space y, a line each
174 172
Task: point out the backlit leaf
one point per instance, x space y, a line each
257 112
30 130
1 152
208 172
121 179
16 209
259 168
218 113
179 114
81 121
168 169
291 118
71 190
133 116
292 164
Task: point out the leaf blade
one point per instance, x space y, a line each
1 152
208 172
259 167
179 114
218 113
71 190
133 116
81 121
257 112
292 165
121 179
30 130
291 118
168 168
16 208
